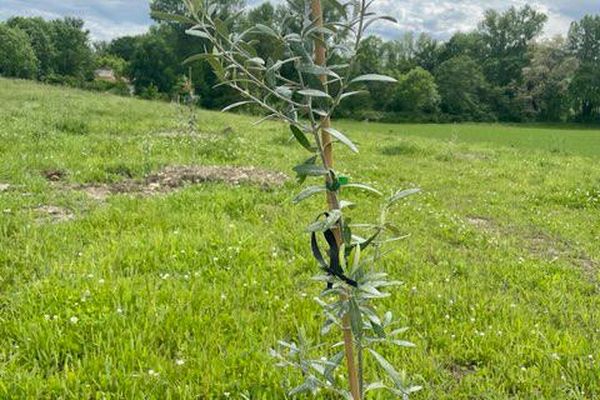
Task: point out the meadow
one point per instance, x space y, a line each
112 286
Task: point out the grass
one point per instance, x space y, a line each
181 295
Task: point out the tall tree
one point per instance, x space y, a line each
507 37
463 88
40 37
546 80
73 56
17 57
584 43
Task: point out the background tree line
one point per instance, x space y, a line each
501 71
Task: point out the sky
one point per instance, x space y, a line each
107 19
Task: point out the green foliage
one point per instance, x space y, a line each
584 42
73 55
17 57
416 92
463 88
507 37
41 38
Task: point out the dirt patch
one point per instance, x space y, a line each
482 223
54 175
173 178
460 371
552 249
53 214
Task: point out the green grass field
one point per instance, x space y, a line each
180 295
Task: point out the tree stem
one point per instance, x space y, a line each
332 199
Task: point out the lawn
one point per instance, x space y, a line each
168 294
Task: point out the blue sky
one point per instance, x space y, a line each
107 19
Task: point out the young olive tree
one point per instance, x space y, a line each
303 89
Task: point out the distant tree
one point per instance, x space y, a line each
507 37
463 88
469 44
41 40
73 56
17 57
584 44
546 80
427 52
123 47
416 92
154 63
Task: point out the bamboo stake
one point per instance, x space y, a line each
332 199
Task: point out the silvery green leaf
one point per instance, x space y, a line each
284 91
201 34
354 93
398 331
333 363
308 192
375 386
356 322
402 194
314 93
314 69
402 343
310 385
266 30
374 78
363 187
388 368
257 61
234 105
346 204
342 138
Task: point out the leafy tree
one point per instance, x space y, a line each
17 57
507 37
469 44
584 43
416 92
154 63
427 52
462 87
123 47
73 56
546 80
41 40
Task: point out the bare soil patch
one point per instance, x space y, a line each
175 177
54 175
53 214
178 176
482 223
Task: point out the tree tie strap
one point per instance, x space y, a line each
333 268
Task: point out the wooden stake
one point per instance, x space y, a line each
332 199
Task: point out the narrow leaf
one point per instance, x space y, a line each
234 105
342 138
301 138
308 192
374 78
314 93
